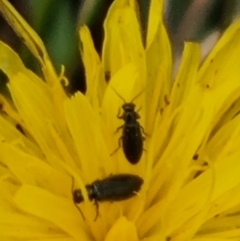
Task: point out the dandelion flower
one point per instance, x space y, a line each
191 159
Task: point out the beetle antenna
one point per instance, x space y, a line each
118 95
138 94
80 211
74 202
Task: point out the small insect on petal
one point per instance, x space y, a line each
117 187
132 137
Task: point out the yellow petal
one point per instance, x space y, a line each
36 46
44 204
200 190
30 38
93 67
84 126
122 230
35 107
29 228
123 42
187 74
158 56
10 133
226 40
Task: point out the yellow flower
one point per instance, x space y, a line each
191 161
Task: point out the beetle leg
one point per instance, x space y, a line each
79 211
119 145
119 116
97 209
143 131
119 128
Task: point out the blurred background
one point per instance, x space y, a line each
57 22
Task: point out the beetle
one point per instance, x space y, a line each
132 137
118 187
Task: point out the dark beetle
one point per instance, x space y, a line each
117 187
132 132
